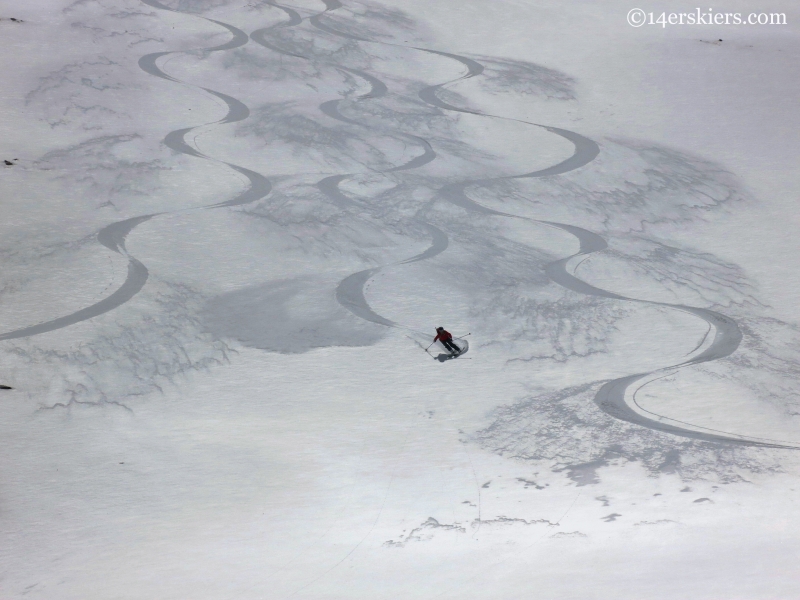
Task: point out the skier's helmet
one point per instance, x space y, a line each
440 329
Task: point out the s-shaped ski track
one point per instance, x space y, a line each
612 396
350 291
113 236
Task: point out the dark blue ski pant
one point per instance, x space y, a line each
451 346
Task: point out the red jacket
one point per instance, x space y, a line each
445 336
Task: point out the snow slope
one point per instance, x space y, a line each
231 228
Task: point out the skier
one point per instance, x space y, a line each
447 340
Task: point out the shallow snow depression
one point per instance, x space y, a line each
231 229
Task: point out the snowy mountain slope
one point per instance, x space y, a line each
230 232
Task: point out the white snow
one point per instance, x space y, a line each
247 426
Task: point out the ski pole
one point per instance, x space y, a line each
463 336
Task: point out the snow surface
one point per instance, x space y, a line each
231 227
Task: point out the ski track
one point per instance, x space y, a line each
611 397
350 291
113 236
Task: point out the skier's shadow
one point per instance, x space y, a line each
444 357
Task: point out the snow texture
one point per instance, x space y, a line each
233 226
